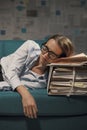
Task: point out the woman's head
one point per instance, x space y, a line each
64 43
57 46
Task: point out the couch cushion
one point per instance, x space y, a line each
10 104
9 46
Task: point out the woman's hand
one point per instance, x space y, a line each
29 104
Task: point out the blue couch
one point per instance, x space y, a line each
55 112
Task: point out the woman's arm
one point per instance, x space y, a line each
13 72
29 104
13 65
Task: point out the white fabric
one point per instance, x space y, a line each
16 67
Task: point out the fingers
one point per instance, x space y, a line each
34 112
30 111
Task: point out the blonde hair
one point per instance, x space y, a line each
65 44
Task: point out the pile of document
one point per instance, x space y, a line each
67 79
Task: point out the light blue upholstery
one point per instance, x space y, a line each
55 112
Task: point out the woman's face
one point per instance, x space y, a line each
50 52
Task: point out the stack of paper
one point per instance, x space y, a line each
67 79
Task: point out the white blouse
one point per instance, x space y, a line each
16 68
